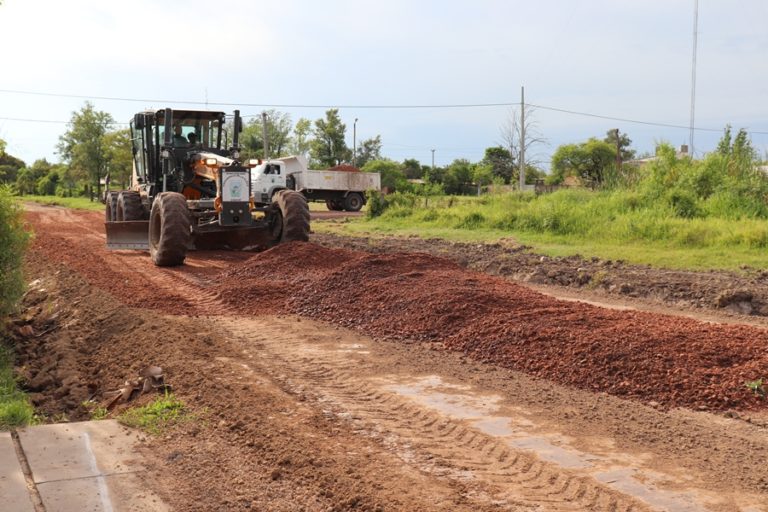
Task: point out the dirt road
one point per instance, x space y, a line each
456 410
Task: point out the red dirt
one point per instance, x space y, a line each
344 167
674 361
411 296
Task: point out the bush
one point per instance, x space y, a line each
377 203
13 240
683 203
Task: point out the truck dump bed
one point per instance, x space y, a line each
337 180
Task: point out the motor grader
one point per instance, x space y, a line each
190 191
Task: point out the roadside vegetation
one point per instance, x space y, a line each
15 409
78 203
672 212
156 416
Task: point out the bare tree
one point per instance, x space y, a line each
511 133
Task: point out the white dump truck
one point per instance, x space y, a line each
341 190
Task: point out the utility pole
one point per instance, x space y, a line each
618 151
522 138
433 160
693 68
354 143
265 134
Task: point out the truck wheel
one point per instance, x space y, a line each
353 202
129 206
169 229
329 204
110 209
291 217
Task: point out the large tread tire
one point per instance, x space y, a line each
170 233
129 206
110 207
353 202
293 215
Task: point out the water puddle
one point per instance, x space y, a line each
622 471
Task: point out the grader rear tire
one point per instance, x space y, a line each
110 207
291 217
129 206
169 229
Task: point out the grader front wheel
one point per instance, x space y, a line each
169 229
291 217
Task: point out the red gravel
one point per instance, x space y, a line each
672 360
415 296
344 167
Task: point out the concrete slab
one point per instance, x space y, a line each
88 466
116 493
13 486
65 451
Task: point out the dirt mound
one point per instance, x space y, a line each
671 360
737 293
344 168
283 259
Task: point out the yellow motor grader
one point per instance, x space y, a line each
189 191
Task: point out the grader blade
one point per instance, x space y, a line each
131 234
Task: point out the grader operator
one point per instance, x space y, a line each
189 191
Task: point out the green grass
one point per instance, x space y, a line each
78 203
611 225
156 416
15 409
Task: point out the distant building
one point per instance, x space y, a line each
680 153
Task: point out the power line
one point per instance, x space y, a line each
369 106
258 105
623 119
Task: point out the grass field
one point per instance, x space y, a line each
609 225
79 203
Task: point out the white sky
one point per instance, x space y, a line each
621 58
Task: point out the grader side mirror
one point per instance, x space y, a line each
138 121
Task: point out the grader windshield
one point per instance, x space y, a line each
192 129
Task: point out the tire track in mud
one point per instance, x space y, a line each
436 444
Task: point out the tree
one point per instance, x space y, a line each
392 176
739 147
9 165
300 141
28 177
624 143
279 128
83 145
512 134
588 160
119 157
458 177
500 162
328 148
368 150
412 169
482 175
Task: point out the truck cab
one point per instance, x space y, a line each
267 178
